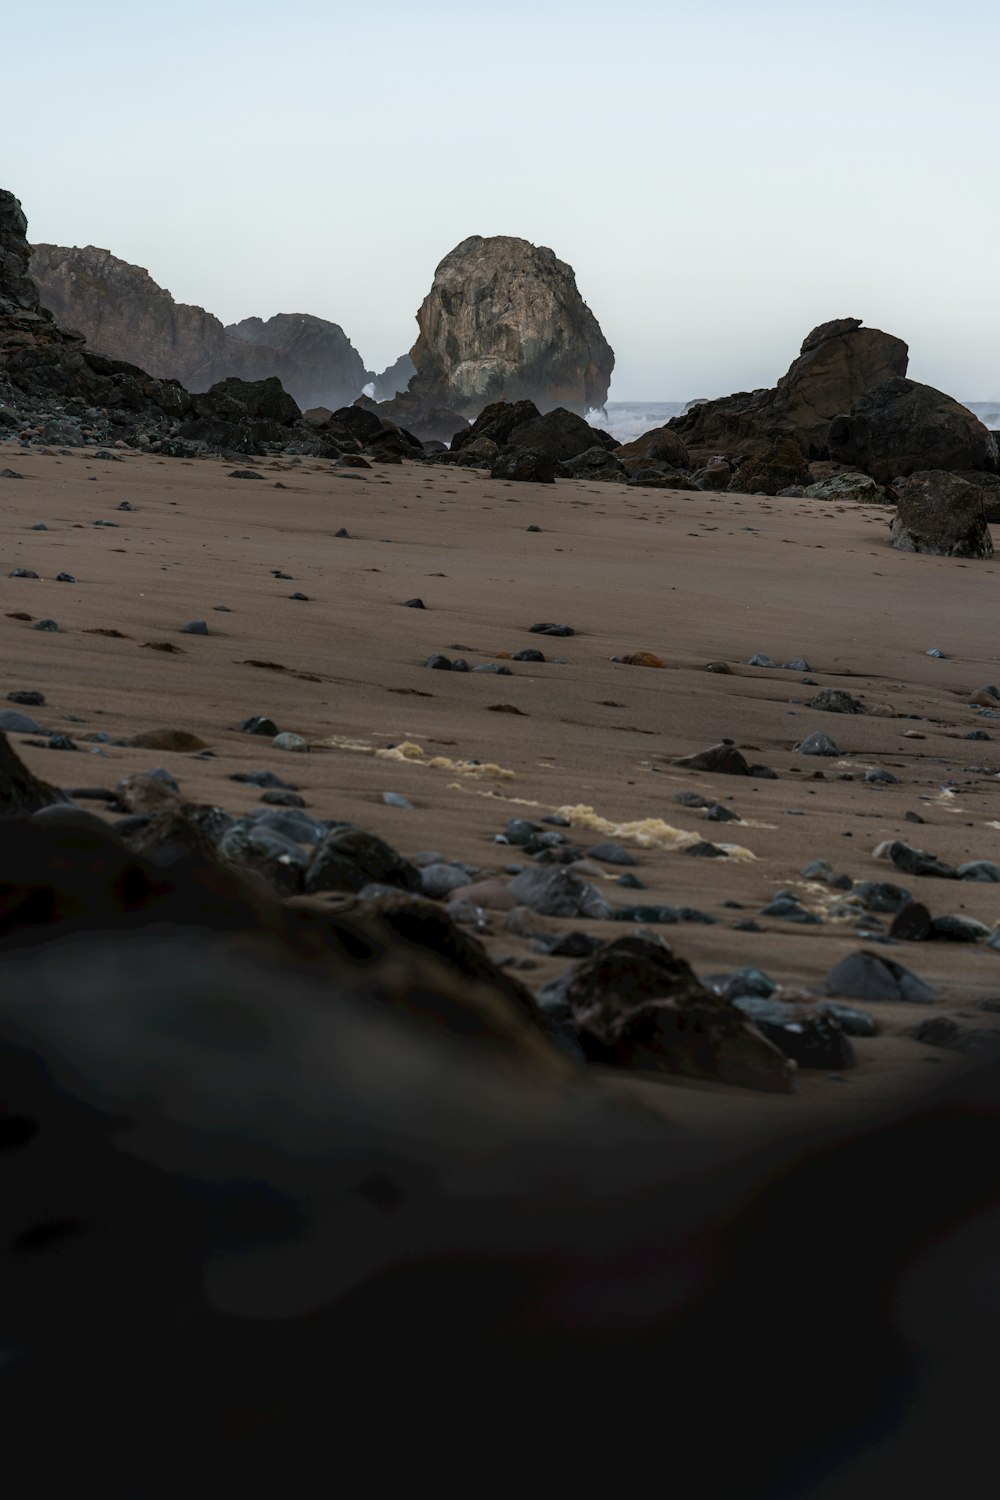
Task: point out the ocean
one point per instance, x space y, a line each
627 420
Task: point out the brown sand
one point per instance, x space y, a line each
690 577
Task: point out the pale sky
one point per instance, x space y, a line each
722 176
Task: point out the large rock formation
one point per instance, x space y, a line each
941 514
123 313
317 363
394 379
504 320
838 363
902 426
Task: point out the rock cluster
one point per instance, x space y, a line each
124 314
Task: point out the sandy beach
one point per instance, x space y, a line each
692 577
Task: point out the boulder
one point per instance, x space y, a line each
939 513
595 463
900 427
524 464
560 433
21 792
858 487
349 859
772 470
427 419
241 416
838 363
496 422
504 320
661 446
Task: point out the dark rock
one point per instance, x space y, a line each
554 891
879 776
414 604
259 724
65 578
277 798
838 362
919 862
723 758
638 1005
717 812
22 793
14 723
659 447
28 697
349 859
912 923
956 929
612 854
548 629
439 663
262 778
812 1039
45 625
835 701
775 468
527 465
852 1021
528 654
817 744
596 464
939 513
899 427
194 627
245 474
563 436
882 895
943 1032
871 976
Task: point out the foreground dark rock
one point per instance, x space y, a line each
837 364
939 513
21 792
504 320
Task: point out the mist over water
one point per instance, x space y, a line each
627 420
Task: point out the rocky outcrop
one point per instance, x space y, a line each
504 320
900 427
124 314
393 380
661 446
317 363
941 514
838 363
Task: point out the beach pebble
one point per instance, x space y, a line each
911 924
760 660
10 474
746 981
288 741
704 849
299 596
817 744
194 627
38 526
439 663
27 697
798 665
548 629
934 651
437 881
942 1031
881 777
882 895
491 894
22 573
631 882
612 854
259 724
722 667
343 532
788 908
717 812
65 578
850 1019
274 797
45 625
973 869
528 654
244 474
554 891
261 778
871 976
290 823
414 604
836 701
396 799
956 929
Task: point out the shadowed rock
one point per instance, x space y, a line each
21 792
939 513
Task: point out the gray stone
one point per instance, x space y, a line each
287 741
872 976
817 744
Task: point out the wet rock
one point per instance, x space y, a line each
288 741
349 859
957 929
812 1039
852 1021
944 1032
394 799
919 861
717 812
974 869
817 744
612 854
912 923
836 701
49 625
439 663
872 976
882 895
439 881
554 891
639 1005
723 758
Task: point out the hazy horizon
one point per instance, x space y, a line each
721 182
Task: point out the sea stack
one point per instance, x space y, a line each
504 321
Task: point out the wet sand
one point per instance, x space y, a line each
690 577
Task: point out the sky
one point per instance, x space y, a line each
721 176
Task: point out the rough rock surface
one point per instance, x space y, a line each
504 320
661 446
394 379
939 513
901 426
838 363
123 313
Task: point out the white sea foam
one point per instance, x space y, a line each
626 420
